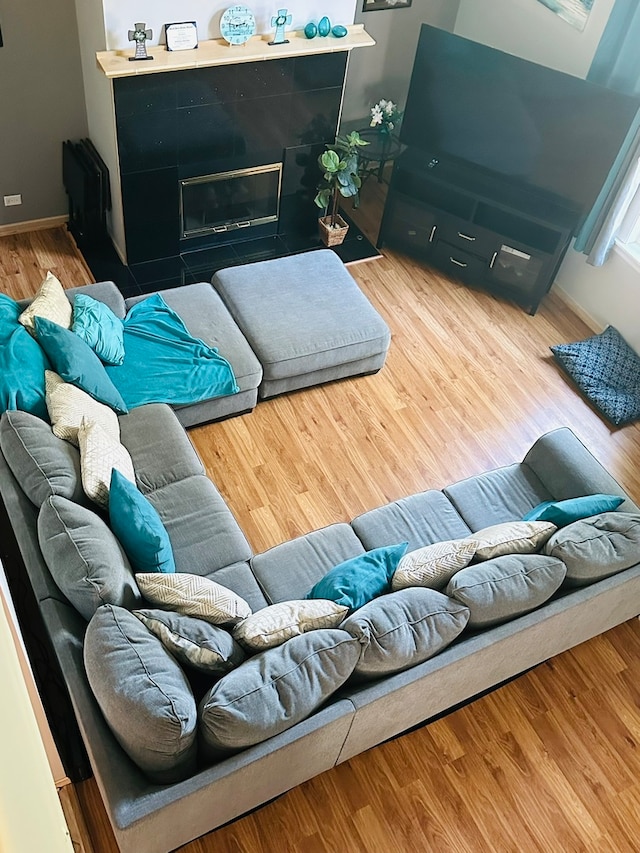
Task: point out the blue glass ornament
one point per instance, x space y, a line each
339 31
324 26
311 31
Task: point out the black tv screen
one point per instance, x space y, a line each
546 130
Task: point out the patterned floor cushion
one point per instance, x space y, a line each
607 370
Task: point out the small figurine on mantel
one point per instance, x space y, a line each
140 35
280 21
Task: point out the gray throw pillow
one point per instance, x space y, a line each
274 690
596 547
506 587
42 463
193 642
404 628
143 694
84 557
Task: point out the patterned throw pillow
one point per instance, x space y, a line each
512 537
194 596
272 625
434 565
100 453
67 405
607 370
50 302
98 326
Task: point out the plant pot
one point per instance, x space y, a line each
332 236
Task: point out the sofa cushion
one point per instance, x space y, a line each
194 642
143 694
43 464
433 565
356 581
506 587
138 527
203 532
287 571
161 450
84 557
404 628
607 371
421 519
99 328
75 362
192 595
274 690
572 509
596 547
50 302
497 496
68 405
272 625
100 454
513 537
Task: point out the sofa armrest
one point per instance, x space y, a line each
567 469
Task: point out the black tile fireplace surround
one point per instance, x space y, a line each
177 125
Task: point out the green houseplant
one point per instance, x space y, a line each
339 163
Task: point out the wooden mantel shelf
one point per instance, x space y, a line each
115 63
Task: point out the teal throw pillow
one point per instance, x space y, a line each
77 363
573 509
99 328
357 581
138 527
22 364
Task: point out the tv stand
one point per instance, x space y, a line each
477 229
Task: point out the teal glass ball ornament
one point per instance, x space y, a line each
311 31
339 31
324 26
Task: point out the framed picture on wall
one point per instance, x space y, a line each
378 5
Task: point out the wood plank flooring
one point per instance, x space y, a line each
550 761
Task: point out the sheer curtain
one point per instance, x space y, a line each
616 65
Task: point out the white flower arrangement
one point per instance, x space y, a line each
385 115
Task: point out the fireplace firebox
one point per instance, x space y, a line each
226 201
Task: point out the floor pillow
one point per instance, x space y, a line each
607 371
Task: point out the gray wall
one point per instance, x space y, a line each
41 104
384 71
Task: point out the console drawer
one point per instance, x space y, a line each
457 263
467 236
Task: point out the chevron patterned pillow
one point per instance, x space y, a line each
193 595
434 565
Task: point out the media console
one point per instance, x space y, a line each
476 228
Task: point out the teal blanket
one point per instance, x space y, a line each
22 364
164 363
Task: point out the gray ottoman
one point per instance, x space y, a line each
305 318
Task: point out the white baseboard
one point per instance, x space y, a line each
32 225
577 309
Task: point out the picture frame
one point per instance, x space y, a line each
379 5
181 35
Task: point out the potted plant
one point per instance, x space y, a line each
339 164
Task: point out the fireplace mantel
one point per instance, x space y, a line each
115 63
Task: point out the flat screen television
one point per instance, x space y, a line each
541 129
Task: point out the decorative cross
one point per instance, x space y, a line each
280 21
140 35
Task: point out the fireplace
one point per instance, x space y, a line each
227 201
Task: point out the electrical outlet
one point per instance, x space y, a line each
10 200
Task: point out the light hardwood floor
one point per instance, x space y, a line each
549 762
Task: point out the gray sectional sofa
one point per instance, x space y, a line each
358 710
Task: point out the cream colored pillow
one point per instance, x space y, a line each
272 625
67 405
51 302
100 453
512 537
193 595
434 565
